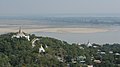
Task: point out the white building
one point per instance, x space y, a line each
41 49
21 34
60 59
33 42
117 54
79 43
81 47
89 44
46 46
97 61
90 66
102 52
111 52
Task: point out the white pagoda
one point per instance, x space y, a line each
21 34
41 49
89 44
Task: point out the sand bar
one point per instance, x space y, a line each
58 30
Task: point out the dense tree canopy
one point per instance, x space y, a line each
18 52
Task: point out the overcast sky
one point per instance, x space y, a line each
38 7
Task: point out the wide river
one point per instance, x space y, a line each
104 30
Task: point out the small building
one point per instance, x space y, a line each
117 54
60 59
46 46
81 47
97 61
41 49
90 66
102 53
82 61
21 34
95 46
81 57
111 52
79 43
98 50
74 60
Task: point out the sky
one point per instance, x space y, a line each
43 7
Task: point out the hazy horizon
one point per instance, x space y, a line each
60 7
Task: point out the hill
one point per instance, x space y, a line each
19 52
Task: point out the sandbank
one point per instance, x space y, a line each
55 30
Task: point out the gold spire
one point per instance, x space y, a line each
20 30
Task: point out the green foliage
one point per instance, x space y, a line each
16 52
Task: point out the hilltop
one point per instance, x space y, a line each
20 52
